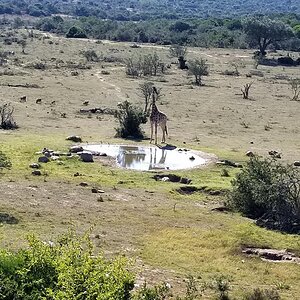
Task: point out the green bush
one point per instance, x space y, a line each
270 192
63 270
130 119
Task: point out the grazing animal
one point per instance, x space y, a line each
38 101
157 118
53 102
23 99
85 103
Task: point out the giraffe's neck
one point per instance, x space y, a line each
154 110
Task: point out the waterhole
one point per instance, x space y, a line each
150 158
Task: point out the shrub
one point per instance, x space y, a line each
270 192
62 270
76 32
130 118
158 292
198 68
4 161
259 294
6 117
90 55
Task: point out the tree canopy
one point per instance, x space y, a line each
265 31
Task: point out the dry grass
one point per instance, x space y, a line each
169 235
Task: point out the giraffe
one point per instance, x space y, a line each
157 118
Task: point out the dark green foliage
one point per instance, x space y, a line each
62 270
263 32
270 192
259 294
75 32
130 119
144 10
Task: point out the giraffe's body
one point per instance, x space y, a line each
157 118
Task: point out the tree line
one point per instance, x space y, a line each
282 32
136 10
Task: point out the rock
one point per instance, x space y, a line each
8 219
249 154
97 191
35 166
297 163
75 149
47 154
36 173
43 159
83 184
165 179
86 156
74 138
275 154
227 162
54 157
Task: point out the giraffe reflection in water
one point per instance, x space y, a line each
161 163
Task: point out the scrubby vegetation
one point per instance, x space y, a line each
130 119
4 162
65 269
269 192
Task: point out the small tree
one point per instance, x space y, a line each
75 32
90 55
146 90
246 89
130 119
178 50
198 68
6 117
23 44
264 32
295 85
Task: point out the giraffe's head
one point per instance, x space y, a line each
154 95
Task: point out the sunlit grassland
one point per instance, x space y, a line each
213 247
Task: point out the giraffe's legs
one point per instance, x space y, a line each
163 140
155 133
151 137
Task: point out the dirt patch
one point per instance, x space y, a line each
272 255
187 190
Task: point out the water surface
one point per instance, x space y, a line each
149 158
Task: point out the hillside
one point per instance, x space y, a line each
148 9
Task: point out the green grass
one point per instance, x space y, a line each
213 248
21 150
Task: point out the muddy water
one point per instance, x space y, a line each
150 158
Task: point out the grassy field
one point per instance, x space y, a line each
167 234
